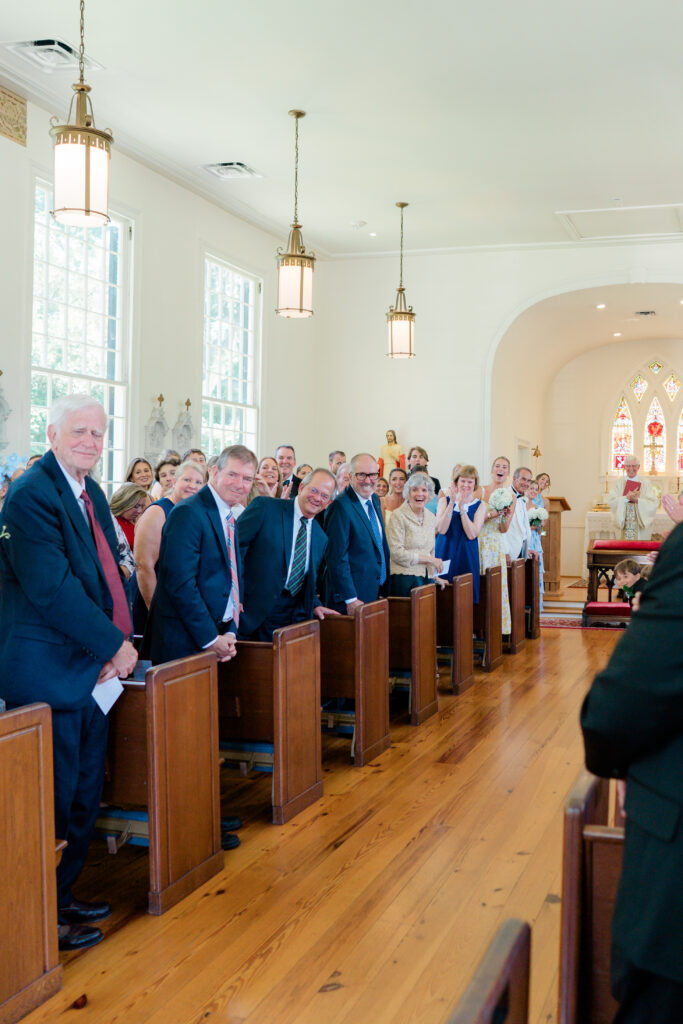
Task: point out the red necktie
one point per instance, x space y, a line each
121 616
235 587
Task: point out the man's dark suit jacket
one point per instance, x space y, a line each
353 556
264 536
193 580
296 484
632 721
56 629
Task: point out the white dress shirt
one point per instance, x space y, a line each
517 537
298 516
223 509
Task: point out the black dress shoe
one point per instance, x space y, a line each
78 912
230 824
229 841
78 936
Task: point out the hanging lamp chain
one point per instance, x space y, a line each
81 52
400 284
296 169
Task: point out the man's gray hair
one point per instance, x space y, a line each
520 469
286 444
69 404
361 455
314 472
337 451
236 451
418 480
341 469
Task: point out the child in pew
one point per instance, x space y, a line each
630 576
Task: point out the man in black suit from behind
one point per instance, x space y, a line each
632 721
285 456
281 548
357 552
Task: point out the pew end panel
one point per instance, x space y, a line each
30 972
488 617
412 646
532 598
516 592
592 858
354 657
499 989
454 629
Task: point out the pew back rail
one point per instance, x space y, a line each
499 989
412 647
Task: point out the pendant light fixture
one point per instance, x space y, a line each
81 159
295 265
400 318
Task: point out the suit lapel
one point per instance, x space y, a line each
215 519
360 510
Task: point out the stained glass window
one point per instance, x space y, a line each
672 385
622 434
655 366
639 386
654 438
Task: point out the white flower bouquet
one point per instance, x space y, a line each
537 515
501 499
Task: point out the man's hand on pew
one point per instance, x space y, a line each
125 660
535 554
225 646
352 605
325 613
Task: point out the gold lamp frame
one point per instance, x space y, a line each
400 318
294 265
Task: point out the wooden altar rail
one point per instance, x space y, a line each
163 755
412 647
30 971
516 592
532 598
499 990
354 658
488 618
454 628
270 693
592 859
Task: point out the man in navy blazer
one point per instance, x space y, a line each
197 599
282 547
64 626
357 551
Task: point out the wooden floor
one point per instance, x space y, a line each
375 904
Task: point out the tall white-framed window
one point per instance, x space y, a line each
78 325
230 368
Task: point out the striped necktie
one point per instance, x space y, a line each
298 570
378 538
235 587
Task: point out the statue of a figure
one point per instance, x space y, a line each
183 431
391 455
155 432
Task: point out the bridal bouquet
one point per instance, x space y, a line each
501 499
537 515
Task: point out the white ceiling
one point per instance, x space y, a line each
489 118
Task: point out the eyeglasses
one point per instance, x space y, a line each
315 493
366 476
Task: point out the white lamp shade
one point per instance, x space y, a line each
81 178
401 335
295 286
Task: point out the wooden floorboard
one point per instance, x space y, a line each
376 903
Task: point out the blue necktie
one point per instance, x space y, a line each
378 538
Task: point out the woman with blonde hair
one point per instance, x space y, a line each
459 519
496 523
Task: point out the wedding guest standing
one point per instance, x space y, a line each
140 472
496 523
411 536
459 519
127 505
535 500
164 474
394 499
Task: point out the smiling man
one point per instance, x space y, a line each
633 502
281 548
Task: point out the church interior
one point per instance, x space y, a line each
538 150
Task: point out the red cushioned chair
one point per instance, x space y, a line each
611 612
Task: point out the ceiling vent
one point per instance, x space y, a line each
231 169
51 55
645 312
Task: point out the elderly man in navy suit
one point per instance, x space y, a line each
281 547
64 628
357 550
197 600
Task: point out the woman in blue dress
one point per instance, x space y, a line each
535 500
459 518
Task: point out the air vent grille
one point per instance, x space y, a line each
645 312
51 55
229 170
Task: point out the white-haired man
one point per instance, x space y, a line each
633 502
64 628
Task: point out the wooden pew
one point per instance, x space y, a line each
488 618
516 641
163 755
454 628
592 859
532 598
30 971
354 664
499 990
412 647
270 694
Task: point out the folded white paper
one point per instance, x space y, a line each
107 693
446 567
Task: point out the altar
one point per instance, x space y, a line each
600 525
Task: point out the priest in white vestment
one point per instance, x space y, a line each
634 502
